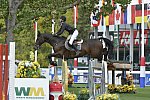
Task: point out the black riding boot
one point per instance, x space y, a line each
75 48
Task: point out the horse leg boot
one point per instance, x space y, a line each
53 55
105 53
50 60
76 50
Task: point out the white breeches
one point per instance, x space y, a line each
73 36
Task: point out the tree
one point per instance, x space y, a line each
14 11
18 18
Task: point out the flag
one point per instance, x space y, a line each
126 16
107 20
112 2
94 20
118 15
140 1
133 14
148 15
111 18
137 13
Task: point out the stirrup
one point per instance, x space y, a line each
79 42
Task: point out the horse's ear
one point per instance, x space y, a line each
39 33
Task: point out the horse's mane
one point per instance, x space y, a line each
62 37
56 37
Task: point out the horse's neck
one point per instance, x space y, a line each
52 40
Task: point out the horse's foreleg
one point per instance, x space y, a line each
50 58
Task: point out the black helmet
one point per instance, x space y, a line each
63 18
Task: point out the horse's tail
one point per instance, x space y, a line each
110 46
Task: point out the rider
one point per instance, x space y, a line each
72 31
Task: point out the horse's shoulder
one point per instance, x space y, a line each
63 37
47 34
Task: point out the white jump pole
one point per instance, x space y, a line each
131 46
53 31
104 63
35 39
75 16
53 69
75 59
142 62
11 70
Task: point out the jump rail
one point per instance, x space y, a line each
7 53
3 71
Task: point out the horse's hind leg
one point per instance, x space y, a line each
105 53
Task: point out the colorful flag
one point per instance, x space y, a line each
133 14
148 15
137 13
118 15
111 18
126 16
140 1
94 20
112 2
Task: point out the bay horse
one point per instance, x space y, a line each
92 47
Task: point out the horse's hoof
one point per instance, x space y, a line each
54 63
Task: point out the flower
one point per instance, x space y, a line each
70 78
121 88
107 97
69 96
84 91
97 86
31 56
28 69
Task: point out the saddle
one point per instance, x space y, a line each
76 43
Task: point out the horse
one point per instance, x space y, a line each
91 47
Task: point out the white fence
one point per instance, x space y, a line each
83 76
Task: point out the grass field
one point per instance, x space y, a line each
141 93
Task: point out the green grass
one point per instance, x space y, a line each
141 93
76 90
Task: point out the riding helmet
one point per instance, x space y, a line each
63 18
